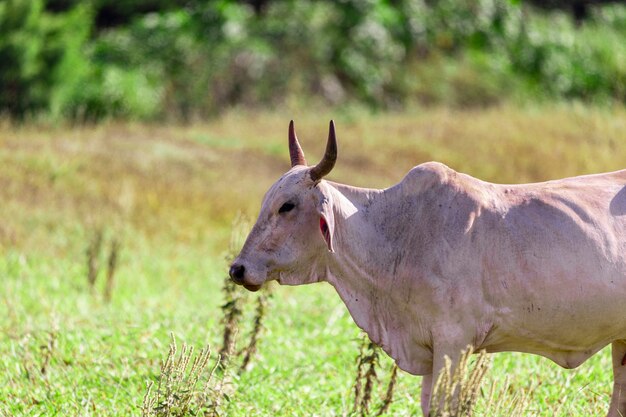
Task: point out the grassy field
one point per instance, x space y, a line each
166 196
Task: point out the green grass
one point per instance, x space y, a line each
169 194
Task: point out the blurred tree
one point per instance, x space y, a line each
187 59
109 13
121 12
578 8
258 5
41 57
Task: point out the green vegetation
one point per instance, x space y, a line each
156 60
168 197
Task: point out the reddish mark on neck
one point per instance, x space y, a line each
324 229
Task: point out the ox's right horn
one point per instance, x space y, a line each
330 156
295 150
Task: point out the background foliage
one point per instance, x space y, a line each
149 59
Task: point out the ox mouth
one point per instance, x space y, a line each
252 288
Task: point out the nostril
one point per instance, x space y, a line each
237 272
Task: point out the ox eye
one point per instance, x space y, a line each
286 207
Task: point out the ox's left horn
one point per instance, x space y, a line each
330 156
295 150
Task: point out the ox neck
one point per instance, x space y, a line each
359 197
360 250
364 264
358 212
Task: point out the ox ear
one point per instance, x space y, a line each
327 222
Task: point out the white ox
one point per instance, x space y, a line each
442 260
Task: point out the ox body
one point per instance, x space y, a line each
443 260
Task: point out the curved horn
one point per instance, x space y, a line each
330 156
295 151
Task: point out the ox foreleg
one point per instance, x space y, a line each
618 399
453 352
427 385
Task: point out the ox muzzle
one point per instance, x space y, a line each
237 274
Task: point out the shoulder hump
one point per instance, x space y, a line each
427 175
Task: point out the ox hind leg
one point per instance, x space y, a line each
618 400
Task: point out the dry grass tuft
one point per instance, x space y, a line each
177 393
456 392
500 402
259 316
111 265
93 255
366 384
47 350
235 301
234 297
388 398
36 367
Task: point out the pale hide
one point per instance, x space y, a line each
442 260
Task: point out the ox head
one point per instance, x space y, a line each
294 231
